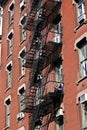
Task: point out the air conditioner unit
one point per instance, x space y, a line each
59 113
20 116
22 4
57 39
83 98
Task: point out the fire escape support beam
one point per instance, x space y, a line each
50 10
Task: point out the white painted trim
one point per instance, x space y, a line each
9 97
24 48
13 2
8 65
22 19
79 95
11 31
79 39
22 86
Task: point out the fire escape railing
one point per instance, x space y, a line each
40 56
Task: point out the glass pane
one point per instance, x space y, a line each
84 116
22 97
84 68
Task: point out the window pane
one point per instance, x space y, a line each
22 97
84 116
22 68
9 79
8 115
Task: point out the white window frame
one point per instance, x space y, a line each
59 75
83 60
1 20
81 12
21 94
23 30
58 33
9 74
22 4
22 62
7 103
11 11
10 37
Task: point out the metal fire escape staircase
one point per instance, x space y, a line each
39 56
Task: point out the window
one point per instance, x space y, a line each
38 95
84 115
81 16
1 12
82 100
58 33
11 12
82 45
23 30
8 106
59 76
9 75
21 92
22 4
10 42
60 119
22 60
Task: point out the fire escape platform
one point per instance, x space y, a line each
50 102
49 12
50 53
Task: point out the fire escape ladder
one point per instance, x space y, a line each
32 14
38 58
29 100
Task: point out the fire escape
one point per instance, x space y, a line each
42 54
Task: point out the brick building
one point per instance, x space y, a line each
43 48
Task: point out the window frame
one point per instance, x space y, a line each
22 25
81 12
10 39
82 45
11 12
7 103
21 93
22 4
83 112
22 62
9 74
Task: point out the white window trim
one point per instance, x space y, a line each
11 31
22 86
13 2
24 48
79 95
79 39
22 4
8 65
22 19
7 98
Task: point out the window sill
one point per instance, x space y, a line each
21 42
7 89
6 128
21 77
20 116
11 23
8 56
84 22
80 80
